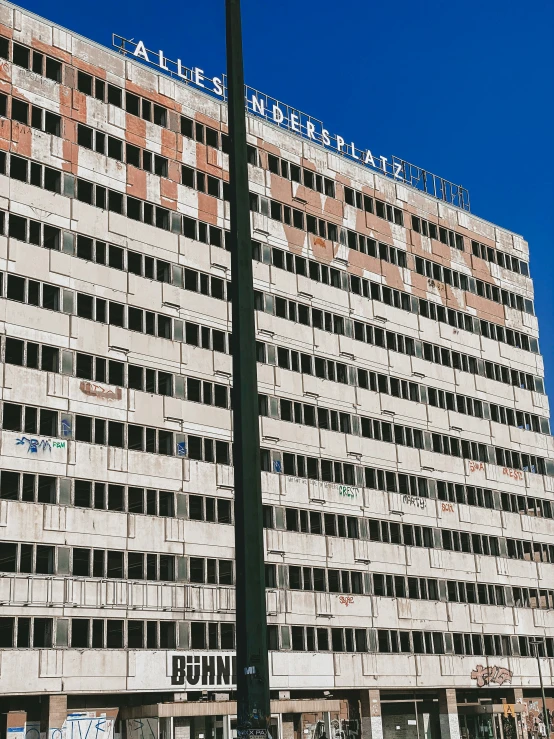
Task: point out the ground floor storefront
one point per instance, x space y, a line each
503 713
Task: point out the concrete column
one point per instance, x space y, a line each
287 723
448 714
370 714
521 719
53 715
327 724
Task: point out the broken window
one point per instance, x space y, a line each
80 628
84 83
42 632
114 634
21 56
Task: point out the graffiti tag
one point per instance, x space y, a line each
99 391
348 491
476 466
414 500
346 600
34 445
489 675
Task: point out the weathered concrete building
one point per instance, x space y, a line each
408 464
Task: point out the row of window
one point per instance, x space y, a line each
440 233
97 633
204 182
391 532
43 559
319 579
189 279
413 391
31 172
474 365
392 641
31 115
321 272
367 245
93 308
396 342
304 314
81 633
487 290
210 136
324 185
163 218
113 95
99 369
51 423
370 205
117 257
489 254
313 468
347 374
33 488
115 148
334 277
295 577
30 59
146 109
99 563
482 409
89 494
45 357
372 428
301 175
485 498
495 645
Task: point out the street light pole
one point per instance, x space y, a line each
253 707
535 643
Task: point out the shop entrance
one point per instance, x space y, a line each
416 718
209 727
490 722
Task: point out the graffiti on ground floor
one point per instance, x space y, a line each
76 726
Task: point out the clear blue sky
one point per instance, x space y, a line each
465 90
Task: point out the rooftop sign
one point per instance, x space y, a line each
264 106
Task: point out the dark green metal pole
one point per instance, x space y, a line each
253 710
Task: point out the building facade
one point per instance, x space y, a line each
408 466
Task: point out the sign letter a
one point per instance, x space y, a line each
141 51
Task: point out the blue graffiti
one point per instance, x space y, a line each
34 444
82 727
